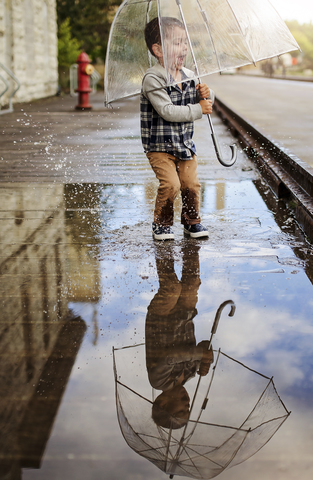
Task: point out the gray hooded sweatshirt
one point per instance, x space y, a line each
168 113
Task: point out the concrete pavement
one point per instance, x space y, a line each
279 108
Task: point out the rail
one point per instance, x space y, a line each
13 77
6 87
94 79
288 176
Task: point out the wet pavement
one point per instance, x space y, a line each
81 275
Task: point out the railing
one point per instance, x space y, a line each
7 85
94 79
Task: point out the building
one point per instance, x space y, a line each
28 48
40 336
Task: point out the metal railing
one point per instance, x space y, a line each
94 79
7 86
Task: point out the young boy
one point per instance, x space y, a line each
172 354
167 116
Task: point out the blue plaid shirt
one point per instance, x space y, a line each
159 135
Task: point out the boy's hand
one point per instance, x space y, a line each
204 369
207 355
207 358
206 106
203 90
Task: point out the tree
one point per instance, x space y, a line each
68 47
90 22
304 36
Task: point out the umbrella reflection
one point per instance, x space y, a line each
206 411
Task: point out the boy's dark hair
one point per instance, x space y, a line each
152 30
163 418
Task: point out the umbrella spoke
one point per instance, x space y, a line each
217 437
232 34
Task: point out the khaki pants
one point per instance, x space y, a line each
175 175
170 337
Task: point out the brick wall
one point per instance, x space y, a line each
28 47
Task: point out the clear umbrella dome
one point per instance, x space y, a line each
219 34
242 413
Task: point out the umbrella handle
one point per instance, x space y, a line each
214 138
218 150
219 311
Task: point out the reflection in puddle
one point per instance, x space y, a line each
39 335
194 427
72 252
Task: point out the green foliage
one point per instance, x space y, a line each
90 22
304 36
68 47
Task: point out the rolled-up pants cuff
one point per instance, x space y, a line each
185 220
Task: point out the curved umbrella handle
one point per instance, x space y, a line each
218 150
219 153
214 138
219 311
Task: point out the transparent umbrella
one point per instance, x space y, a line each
235 411
221 34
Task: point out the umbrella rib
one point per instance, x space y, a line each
168 447
269 421
188 39
150 448
147 20
196 422
134 3
271 381
287 411
128 346
210 384
203 455
248 368
218 425
133 430
205 18
261 445
236 451
201 410
273 432
190 460
106 81
239 26
133 391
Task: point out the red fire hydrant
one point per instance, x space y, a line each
85 69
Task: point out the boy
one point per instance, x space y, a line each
172 354
167 116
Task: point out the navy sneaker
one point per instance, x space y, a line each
196 231
161 232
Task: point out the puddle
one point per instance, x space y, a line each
80 271
81 275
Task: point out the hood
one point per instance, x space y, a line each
160 72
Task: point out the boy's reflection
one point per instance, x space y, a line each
172 355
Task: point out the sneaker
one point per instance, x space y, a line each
196 231
161 232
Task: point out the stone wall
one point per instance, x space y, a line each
28 47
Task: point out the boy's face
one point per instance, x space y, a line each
175 49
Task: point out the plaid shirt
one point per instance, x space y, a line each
175 138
